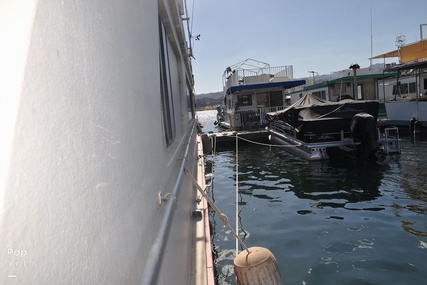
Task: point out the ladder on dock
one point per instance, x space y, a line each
390 140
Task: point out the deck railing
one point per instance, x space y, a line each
253 118
263 75
257 75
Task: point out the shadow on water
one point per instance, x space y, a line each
334 183
266 176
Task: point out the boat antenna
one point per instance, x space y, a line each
421 31
370 63
400 41
190 29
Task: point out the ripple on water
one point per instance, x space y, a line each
335 217
383 265
226 254
340 247
326 260
322 273
329 223
365 244
358 228
305 212
354 229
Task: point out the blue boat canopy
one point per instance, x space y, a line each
284 84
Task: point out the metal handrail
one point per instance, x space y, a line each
247 114
155 256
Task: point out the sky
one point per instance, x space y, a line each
311 35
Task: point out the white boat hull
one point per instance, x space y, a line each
92 189
400 112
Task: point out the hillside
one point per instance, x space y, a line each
208 100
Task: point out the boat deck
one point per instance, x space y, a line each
230 136
203 269
388 135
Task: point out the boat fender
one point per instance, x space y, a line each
257 267
414 126
209 177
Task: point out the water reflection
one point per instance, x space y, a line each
341 184
413 178
310 215
409 227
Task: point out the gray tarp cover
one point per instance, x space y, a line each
310 108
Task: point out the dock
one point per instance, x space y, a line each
230 136
226 139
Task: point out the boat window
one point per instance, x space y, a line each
166 87
396 90
276 98
404 88
262 100
320 94
244 100
412 87
190 102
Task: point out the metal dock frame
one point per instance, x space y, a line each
390 140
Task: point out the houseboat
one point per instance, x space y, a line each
251 89
97 135
341 84
408 104
406 92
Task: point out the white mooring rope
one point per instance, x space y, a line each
249 265
223 217
237 192
263 144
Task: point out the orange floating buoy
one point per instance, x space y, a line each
257 267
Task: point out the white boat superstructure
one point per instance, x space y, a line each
331 87
97 124
405 94
408 92
251 89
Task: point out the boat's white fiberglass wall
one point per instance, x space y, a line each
83 152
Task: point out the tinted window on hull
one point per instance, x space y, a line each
166 88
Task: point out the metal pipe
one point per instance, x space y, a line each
354 67
421 31
355 94
155 256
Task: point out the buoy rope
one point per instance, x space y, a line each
223 217
269 145
265 144
237 192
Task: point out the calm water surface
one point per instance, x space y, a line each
333 222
